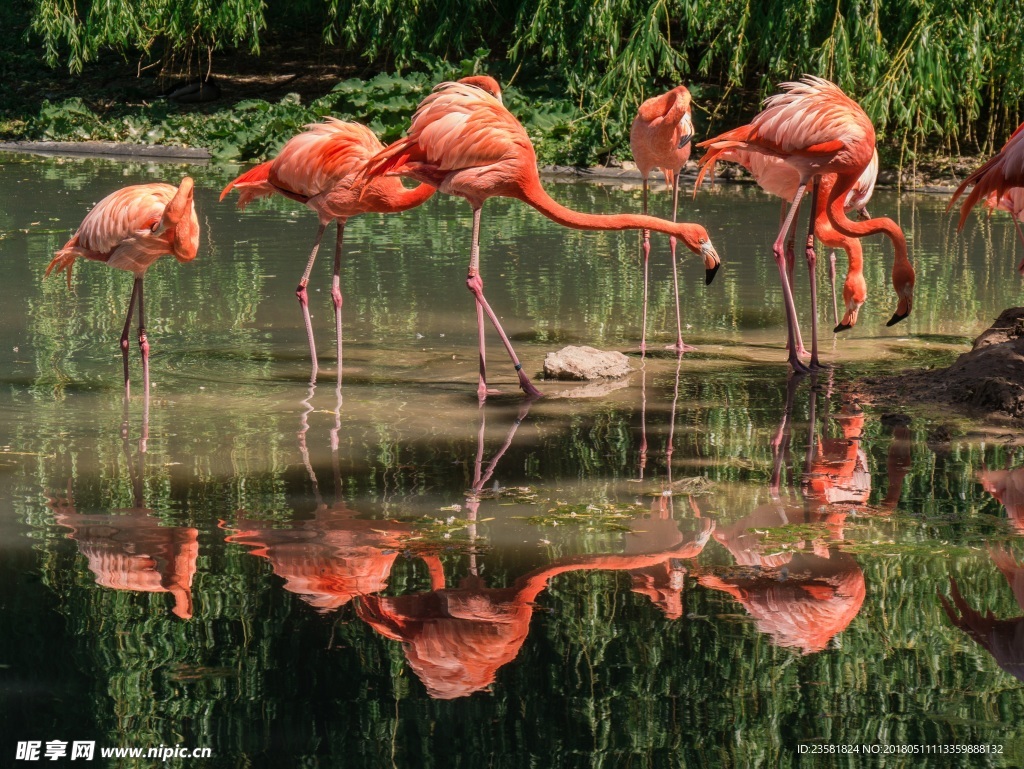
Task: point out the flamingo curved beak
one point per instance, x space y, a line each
686 125
712 262
904 305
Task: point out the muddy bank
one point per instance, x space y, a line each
987 381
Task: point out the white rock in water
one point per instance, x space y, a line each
585 363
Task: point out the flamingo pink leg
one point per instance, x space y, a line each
787 293
124 333
336 291
679 346
647 257
832 281
812 262
790 267
1020 234
476 285
303 298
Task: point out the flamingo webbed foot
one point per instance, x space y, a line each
679 348
798 366
528 388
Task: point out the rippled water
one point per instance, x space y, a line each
384 573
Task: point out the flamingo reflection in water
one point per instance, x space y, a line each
132 549
335 556
1002 638
662 582
456 639
1007 486
801 599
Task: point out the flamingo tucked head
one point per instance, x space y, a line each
484 83
862 191
181 222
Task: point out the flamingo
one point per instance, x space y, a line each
1000 183
130 229
319 168
464 142
660 138
779 178
817 129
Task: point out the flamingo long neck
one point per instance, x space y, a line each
837 217
532 193
405 199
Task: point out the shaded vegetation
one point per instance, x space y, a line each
934 75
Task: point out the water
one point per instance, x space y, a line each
383 573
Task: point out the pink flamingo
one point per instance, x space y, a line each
779 178
464 142
130 229
322 168
660 138
818 130
999 183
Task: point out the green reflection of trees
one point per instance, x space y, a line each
603 679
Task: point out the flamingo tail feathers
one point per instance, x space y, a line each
252 185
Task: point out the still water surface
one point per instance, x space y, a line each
382 573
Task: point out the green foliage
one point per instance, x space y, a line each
929 72
173 29
255 129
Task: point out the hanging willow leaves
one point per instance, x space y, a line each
929 72
175 30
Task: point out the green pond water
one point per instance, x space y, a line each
704 564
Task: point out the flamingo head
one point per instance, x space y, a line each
696 239
855 292
484 83
903 282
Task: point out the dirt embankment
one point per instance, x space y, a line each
987 381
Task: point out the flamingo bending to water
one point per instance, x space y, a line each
1000 183
130 229
817 129
779 178
464 142
660 137
322 168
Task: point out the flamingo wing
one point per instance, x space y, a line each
128 213
1001 173
458 126
324 156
